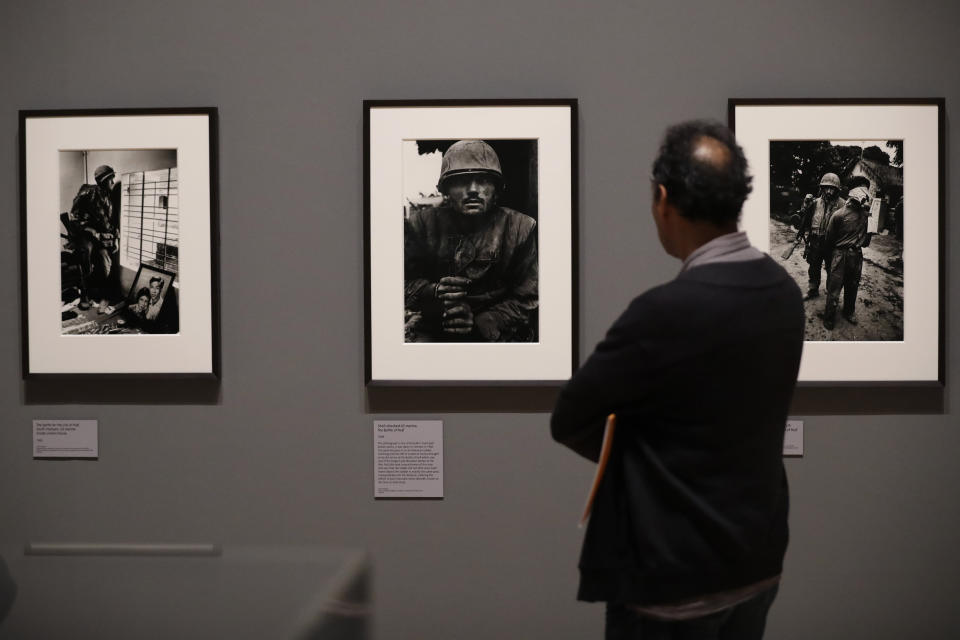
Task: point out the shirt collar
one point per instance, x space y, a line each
730 247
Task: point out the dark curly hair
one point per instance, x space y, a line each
698 188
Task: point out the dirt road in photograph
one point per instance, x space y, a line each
879 308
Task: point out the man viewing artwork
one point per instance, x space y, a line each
689 525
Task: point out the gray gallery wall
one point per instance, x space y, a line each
281 452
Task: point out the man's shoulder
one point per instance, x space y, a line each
654 304
516 219
702 292
658 313
841 213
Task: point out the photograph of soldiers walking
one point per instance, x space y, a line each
836 225
470 241
119 223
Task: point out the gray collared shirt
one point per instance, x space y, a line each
730 247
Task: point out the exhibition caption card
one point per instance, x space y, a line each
793 438
65 439
408 459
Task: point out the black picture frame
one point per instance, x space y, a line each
209 323
452 108
877 367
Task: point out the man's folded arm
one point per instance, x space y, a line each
614 378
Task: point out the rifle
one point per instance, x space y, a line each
797 220
801 236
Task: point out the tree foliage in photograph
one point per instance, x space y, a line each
876 154
796 168
897 146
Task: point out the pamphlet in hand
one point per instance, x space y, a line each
601 466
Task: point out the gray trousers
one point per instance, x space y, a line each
846 265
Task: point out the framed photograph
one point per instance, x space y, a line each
119 262
151 304
848 196
470 241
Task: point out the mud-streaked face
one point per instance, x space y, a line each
472 194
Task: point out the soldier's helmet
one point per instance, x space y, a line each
102 173
830 180
469 156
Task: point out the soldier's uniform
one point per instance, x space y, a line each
816 216
846 236
500 258
94 216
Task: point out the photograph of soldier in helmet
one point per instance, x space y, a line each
470 241
815 215
119 211
94 218
836 210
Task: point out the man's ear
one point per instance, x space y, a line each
659 193
660 200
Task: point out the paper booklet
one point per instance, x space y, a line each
605 447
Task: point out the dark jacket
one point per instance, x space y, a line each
497 252
95 214
700 372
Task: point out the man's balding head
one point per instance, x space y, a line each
704 172
711 152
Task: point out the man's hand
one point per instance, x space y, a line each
457 318
487 326
457 315
452 288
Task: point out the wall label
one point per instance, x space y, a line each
408 459
66 439
793 438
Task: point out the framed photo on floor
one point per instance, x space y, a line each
848 196
470 241
119 263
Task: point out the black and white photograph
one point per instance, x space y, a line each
836 225
151 306
120 264
848 198
470 240
119 214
